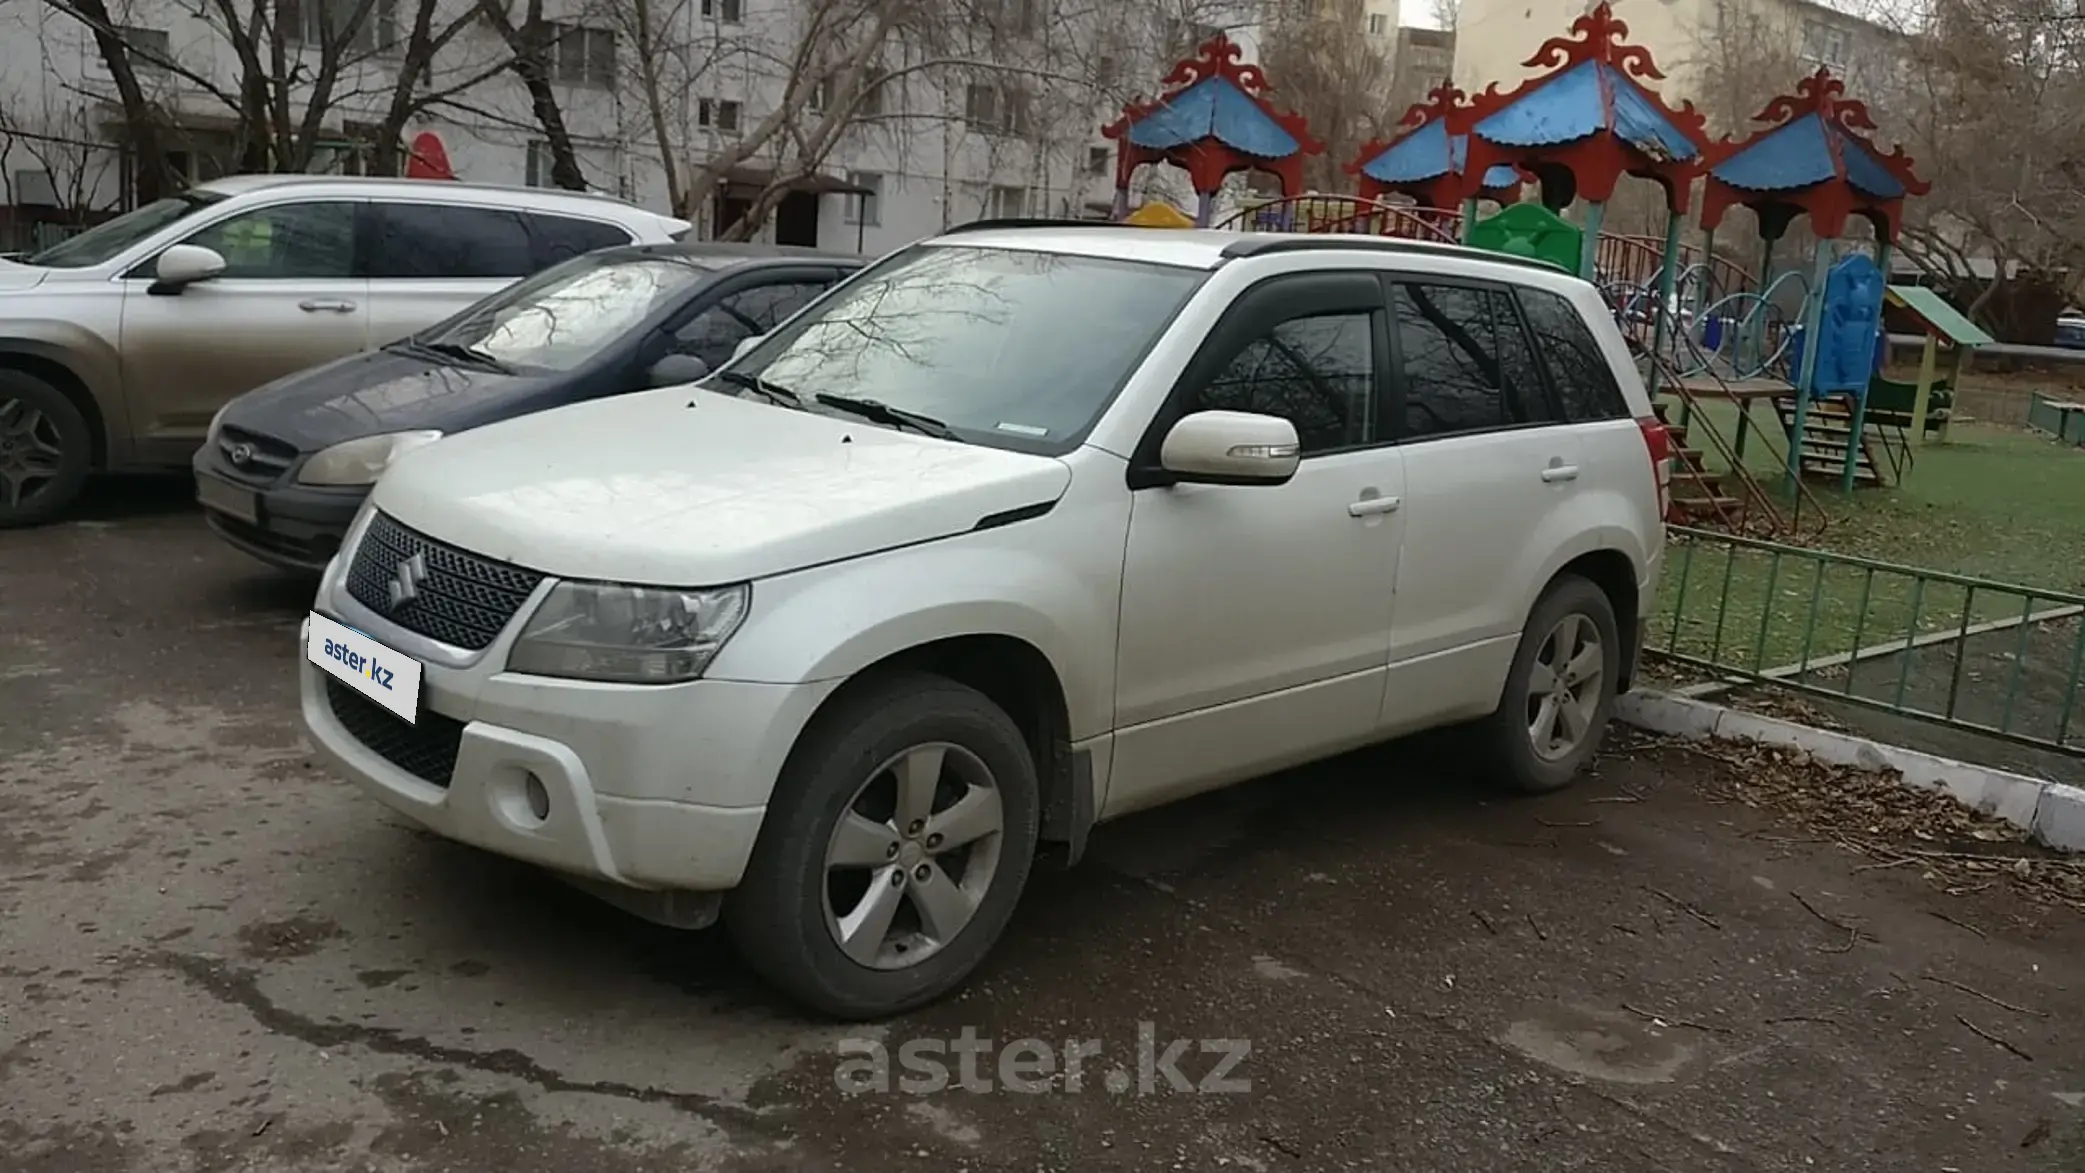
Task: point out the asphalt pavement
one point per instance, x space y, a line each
214 956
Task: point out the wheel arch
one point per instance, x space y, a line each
44 363
1615 573
1017 676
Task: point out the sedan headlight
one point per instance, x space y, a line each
628 634
362 461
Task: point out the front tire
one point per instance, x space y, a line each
46 448
1560 692
893 852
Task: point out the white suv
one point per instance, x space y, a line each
1019 530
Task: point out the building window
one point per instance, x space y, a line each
540 164
727 11
582 56
821 97
996 109
865 209
1825 44
718 114
148 49
1097 160
874 83
313 22
1008 203
1378 24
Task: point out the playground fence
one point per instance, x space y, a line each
1987 657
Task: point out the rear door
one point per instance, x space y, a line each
1488 465
289 298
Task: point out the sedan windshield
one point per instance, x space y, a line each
1006 347
103 241
567 315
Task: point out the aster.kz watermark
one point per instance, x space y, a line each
976 1063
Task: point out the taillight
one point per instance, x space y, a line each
1658 442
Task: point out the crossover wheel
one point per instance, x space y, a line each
894 850
45 450
1560 691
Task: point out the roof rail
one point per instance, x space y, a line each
1254 244
1031 222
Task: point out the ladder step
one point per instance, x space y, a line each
1699 505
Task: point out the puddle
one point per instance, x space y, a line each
1599 1044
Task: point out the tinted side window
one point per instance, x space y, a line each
1317 372
1577 366
433 240
1454 379
769 305
715 332
285 241
1520 372
558 239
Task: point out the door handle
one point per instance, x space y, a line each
327 305
1560 472
1371 506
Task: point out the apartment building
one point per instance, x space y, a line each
931 148
1420 60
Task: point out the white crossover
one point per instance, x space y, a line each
1019 530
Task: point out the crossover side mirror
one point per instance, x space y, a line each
1231 448
182 266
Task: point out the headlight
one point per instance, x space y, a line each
628 634
361 462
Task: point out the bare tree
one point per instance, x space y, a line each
1332 75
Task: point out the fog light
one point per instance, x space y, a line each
538 797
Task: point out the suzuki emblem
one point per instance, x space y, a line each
405 585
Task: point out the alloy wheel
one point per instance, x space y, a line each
913 855
1564 686
32 452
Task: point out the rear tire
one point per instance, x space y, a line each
46 449
1560 692
860 902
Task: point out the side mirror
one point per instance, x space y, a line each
1231 448
745 344
184 265
675 369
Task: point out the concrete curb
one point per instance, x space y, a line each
2051 812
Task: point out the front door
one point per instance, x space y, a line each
796 220
1256 619
1487 466
287 299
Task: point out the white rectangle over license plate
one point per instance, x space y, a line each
391 679
226 497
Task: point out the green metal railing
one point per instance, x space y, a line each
1994 658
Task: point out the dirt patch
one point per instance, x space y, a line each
277 940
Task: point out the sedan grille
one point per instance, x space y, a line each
455 596
253 457
427 750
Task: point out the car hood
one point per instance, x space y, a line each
687 487
378 391
15 278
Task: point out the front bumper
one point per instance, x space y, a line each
296 528
659 787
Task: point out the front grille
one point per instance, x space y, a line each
464 601
427 750
265 457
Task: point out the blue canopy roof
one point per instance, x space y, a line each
1808 150
1584 100
1214 108
1428 153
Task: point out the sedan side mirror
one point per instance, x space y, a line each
1231 448
184 265
674 370
744 345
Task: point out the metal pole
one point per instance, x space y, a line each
1813 318
1589 256
1928 364
1666 276
1469 217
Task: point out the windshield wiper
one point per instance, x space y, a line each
467 353
884 413
781 395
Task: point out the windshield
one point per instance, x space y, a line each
569 314
103 241
1011 348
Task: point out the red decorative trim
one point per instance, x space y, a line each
1829 204
1598 161
1444 103
1208 160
